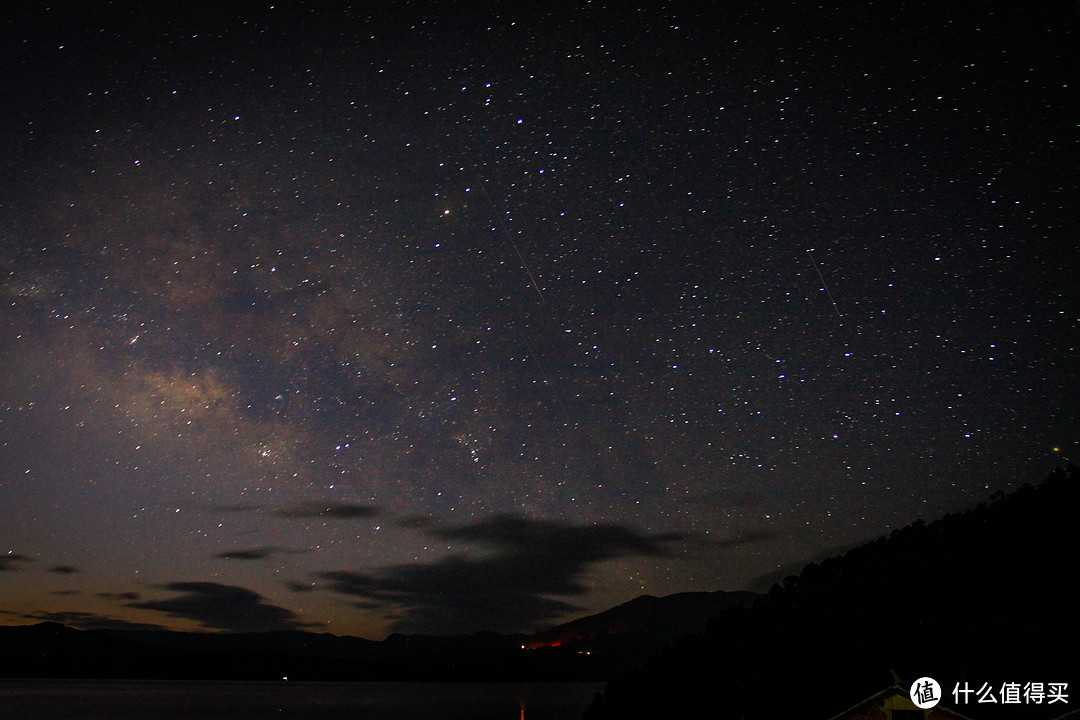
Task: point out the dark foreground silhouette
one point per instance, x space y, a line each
596 647
979 597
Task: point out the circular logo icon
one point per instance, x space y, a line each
925 692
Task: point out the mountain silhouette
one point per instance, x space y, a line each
594 647
977 599
627 634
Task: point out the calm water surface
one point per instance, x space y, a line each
166 700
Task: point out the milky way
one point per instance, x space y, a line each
440 319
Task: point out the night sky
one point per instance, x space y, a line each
435 317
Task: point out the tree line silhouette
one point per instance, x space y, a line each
975 597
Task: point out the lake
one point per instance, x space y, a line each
171 700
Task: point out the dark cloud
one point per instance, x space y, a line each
552 539
513 589
222 607
63 569
119 596
7 562
256 553
339 511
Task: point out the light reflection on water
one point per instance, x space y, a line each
168 700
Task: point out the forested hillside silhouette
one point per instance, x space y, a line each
983 596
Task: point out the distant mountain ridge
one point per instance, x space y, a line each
592 647
663 619
624 636
49 650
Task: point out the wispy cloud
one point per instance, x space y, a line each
8 562
737 540
517 587
119 596
237 508
334 511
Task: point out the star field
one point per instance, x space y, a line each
351 318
